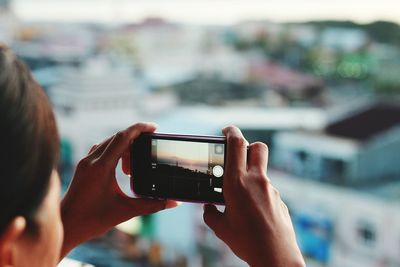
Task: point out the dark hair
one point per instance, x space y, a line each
29 141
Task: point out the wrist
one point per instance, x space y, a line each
277 259
73 234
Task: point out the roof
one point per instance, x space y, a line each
385 194
318 143
366 123
282 78
210 120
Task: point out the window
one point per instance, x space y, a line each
366 233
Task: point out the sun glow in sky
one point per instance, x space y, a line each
180 149
191 155
187 154
206 11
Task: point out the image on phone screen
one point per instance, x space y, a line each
195 168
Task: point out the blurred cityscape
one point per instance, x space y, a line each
324 96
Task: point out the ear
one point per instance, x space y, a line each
8 239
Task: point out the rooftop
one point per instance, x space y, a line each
387 193
210 120
366 123
282 78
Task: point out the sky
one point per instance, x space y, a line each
220 12
189 154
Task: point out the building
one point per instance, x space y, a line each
292 86
343 39
45 45
337 226
5 4
96 85
165 52
214 91
355 149
9 23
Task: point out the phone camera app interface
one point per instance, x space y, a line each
194 168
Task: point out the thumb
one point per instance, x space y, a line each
214 219
142 206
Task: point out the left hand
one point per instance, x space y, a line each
94 202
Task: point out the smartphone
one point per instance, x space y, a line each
180 167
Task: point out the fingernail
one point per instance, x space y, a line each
171 204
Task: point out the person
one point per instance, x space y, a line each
37 228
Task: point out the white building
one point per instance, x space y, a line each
8 23
344 39
356 149
96 86
59 42
343 227
168 53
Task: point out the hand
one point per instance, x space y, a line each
256 223
94 203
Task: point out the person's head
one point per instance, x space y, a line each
30 226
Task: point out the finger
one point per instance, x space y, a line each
121 141
126 162
285 207
214 219
92 149
236 153
98 149
258 157
142 206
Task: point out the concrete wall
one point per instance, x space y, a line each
347 209
380 158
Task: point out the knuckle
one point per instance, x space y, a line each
139 125
262 183
285 207
260 172
275 192
229 128
84 163
238 141
120 135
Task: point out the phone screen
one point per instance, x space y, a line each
187 169
183 158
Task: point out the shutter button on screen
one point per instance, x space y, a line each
218 171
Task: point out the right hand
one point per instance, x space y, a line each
256 223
